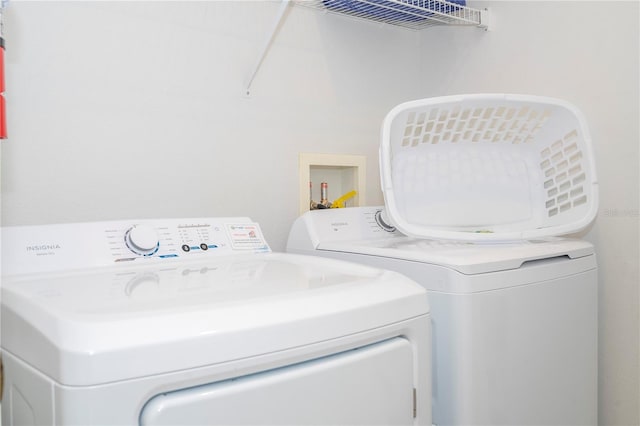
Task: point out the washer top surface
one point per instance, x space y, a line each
467 258
360 230
178 308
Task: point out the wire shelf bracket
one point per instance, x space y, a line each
280 14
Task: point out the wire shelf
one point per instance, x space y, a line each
413 14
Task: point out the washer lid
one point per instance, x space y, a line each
488 167
465 257
110 324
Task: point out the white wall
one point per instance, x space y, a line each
134 109
587 53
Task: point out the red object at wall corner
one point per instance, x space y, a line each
3 107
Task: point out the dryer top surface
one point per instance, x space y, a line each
132 319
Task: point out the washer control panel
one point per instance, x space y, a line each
340 225
45 248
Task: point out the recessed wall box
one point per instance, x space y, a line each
342 173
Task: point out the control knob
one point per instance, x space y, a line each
142 239
383 222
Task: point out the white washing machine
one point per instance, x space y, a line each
514 324
166 322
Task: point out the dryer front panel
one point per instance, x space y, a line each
366 386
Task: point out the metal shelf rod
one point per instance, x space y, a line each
267 44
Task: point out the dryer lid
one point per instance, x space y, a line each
98 326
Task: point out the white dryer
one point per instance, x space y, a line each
165 322
514 324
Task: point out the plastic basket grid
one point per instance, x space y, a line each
515 166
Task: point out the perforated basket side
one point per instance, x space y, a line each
487 167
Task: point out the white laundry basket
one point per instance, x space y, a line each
487 167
